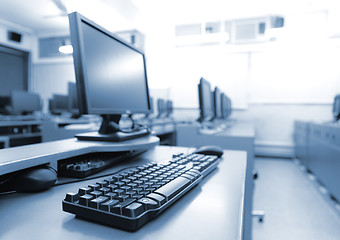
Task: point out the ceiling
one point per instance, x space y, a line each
46 17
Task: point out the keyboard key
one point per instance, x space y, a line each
188 176
96 193
84 200
144 193
94 187
194 173
137 196
132 178
72 197
109 181
111 195
122 198
119 191
130 193
124 175
104 190
126 188
102 183
126 181
94 203
138 189
84 190
172 188
132 185
120 184
118 207
117 177
107 205
148 203
158 198
112 187
137 176
133 210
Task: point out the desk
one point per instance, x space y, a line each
164 128
62 128
214 209
237 136
301 138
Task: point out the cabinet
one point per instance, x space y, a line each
20 132
320 153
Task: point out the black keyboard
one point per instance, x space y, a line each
132 197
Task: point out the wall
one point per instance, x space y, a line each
271 83
274 122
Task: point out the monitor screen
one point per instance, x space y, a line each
111 74
59 103
205 100
23 102
217 103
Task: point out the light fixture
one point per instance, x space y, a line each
66 47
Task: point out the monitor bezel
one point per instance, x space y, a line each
75 20
217 95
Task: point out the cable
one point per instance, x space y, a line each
135 127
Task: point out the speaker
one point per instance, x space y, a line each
13 36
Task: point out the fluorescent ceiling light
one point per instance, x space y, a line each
66 49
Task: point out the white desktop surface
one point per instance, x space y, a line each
214 209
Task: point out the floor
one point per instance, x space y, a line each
294 206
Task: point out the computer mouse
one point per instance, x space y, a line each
210 150
33 179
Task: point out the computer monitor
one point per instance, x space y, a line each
111 78
336 107
169 108
23 102
230 107
152 109
72 99
217 103
226 106
5 101
59 104
205 101
161 107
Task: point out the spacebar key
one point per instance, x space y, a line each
172 188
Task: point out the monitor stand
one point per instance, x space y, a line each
110 132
